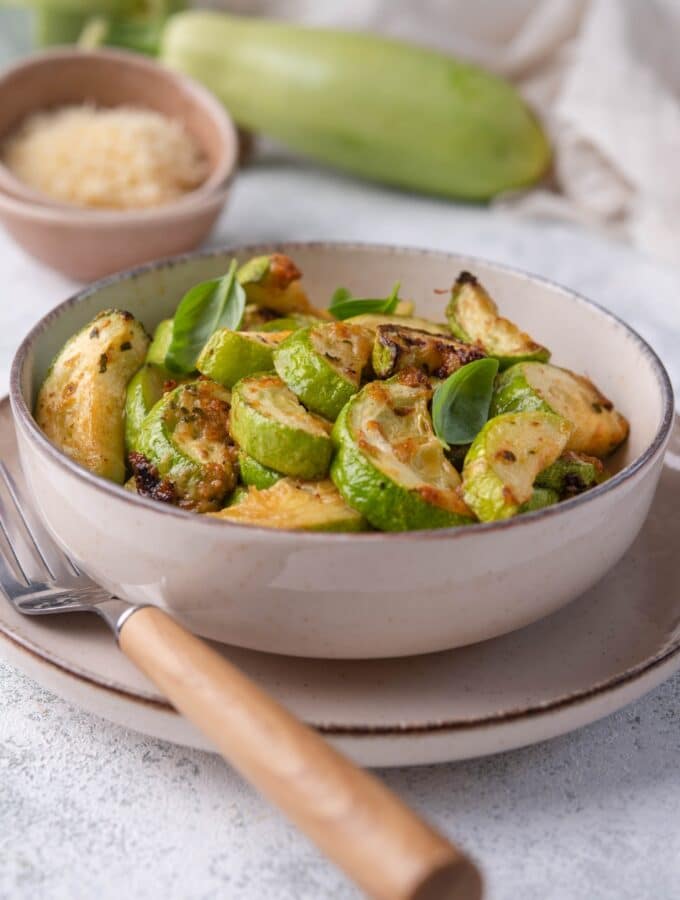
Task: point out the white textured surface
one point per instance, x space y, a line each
88 809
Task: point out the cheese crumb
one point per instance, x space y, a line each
117 158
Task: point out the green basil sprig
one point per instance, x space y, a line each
343 305
460 405
218 303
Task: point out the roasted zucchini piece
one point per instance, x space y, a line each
231 355
81 403
144 390
273 282
255 474
473 317
505 459
540 498
389 464
397 347
240 494
372 320
293 322
184 453
598 427
296 506
158 349
323 365
571 474
270 424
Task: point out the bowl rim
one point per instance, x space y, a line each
13 192
24 417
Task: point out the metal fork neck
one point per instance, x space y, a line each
115 612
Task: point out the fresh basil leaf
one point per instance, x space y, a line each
460 405
340 294
344 306
218 303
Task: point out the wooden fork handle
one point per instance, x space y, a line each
349 814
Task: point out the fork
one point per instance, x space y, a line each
351 816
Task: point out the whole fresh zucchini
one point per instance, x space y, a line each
81 403
296 505
377 107
598 428
231 355
184 454
323 364
397 348
473 317
389 464
270 424
505 458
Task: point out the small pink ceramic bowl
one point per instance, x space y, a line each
87 244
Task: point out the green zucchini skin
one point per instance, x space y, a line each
254 474
383 501
297 443
324 381
473 318
183 454
397 348
158 348
353 100
229 355
505 458
571 474
144 390
598 428
81 403
293 322
273 282
373 320
540 498
297 506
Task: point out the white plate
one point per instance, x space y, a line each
596 655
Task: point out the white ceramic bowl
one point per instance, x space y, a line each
344 595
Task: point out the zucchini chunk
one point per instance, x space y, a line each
293 322
144 390
273 282
473 317
184 455
372 320
270 424
162 338
296 505
505 458
571 474
81 403
231 355
397 347
598 428
323 365
389 464
540 498
254 474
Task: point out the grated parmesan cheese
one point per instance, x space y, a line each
118 158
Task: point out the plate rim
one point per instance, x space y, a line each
391 730
443 726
